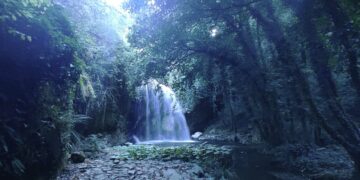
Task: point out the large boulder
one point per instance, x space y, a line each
172 174
196 135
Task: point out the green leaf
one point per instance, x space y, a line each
17 166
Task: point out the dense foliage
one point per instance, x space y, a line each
38 74
46 92
277 72
288 67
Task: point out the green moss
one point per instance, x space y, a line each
352 9
78 62
86 87
204 154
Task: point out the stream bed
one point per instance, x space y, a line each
196 160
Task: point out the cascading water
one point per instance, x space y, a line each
163 119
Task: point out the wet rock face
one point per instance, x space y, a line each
201 116
77 157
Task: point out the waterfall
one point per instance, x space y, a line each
163 119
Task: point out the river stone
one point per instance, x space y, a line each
197 170
101 177
77 157
116 161
114 157
131 172
128 144
172 174
196 135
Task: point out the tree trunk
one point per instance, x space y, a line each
337 125
270 123
345 32
297 84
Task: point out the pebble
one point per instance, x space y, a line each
116 162
131 172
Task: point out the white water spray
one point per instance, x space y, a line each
164 118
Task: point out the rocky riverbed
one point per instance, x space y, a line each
200 161
205 160
141 169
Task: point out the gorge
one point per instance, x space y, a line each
179 89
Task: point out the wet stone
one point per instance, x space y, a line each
131 172
116 161
77 157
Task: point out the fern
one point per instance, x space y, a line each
3 144
17 166
66 124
